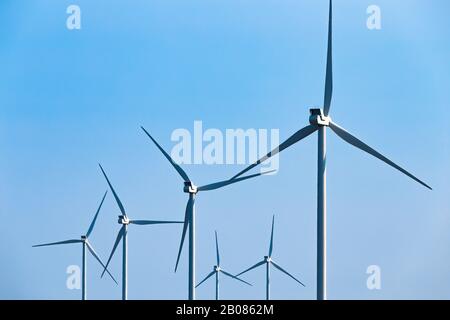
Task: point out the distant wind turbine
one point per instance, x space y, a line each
319 121
269 261
217 270
189 218
122 235
86 244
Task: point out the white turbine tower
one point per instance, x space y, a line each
217 270
122 235
85 244
268 261
189 218
319 121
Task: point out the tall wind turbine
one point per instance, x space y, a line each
217 270
189 219
85 244
269 261
319 121
122 235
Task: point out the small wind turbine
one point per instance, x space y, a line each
189 218
217 269
86 244
319 121
269 261
122 235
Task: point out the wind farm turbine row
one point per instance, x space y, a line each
122 236
125 221
319 121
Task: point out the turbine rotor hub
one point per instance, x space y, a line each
318 118
123 220
83 238
217 268
267 259
189 187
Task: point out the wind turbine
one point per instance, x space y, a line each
189 219
319 121
217 270
85 244
269 261
122 235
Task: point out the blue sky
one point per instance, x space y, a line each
71 99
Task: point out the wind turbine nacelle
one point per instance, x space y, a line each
318 118
123 220
83 237
189 187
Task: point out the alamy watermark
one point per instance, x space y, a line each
374 279
374 19
234 146
74 279
73 21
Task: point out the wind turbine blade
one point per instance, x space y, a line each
234 277
217 251
271 237
119 203
147 222
346 136
221 184
187 219
206 278
296 137
57 243
285 272
91 227
91 249
329 74
175 165
119 237
252 267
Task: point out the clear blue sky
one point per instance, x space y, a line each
71 99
